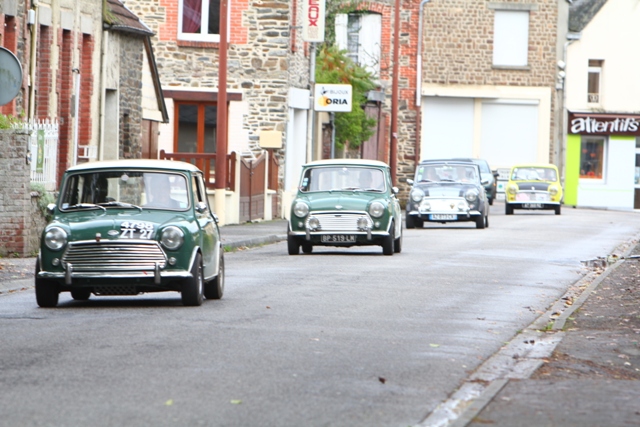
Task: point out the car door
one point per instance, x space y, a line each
210 243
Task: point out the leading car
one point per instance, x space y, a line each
533 187
447 191
128 227
345 203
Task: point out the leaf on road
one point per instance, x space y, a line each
236 401
169 402
435 345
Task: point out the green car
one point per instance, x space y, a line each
128 227
345 203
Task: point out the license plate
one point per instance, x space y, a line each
136 230
532 205
338 238
444 217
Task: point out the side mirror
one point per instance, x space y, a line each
51 207
216 219
495 173
201 207
410 181
395 190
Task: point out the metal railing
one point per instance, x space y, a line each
43 152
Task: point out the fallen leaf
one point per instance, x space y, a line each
382 380
236 401
435 345
169 402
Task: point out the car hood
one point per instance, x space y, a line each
446 189
86 224
340 200
533 185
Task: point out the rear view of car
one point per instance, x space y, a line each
533 187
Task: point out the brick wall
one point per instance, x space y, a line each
44 77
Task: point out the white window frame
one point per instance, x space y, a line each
511 38
202 36
605 148
369 39
593 69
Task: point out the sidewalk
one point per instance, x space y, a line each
577 365
17 273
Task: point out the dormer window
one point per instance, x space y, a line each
595 71
199 20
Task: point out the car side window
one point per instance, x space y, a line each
200 191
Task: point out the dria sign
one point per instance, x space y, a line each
333 98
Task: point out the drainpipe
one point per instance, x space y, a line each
571 37
33 21
419 62
76 111
393 152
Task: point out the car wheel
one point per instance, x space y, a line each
46 291
419 222
409 221
508 210
80 294
215 288
397 244
480 221
307 247
557 209
387 243
293 246
192 287
486 221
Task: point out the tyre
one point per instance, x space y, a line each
388 242
557 209
480 222
292 245
486 221
307 247
508 209
47 292
192 287
80 294
409 221
419 222
215 288
397 244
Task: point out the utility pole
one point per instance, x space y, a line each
221 130
393 152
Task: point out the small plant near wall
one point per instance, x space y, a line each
45 198
8 121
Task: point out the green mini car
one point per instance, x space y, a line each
128 227
345 203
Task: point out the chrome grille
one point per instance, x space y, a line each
114 256
340 221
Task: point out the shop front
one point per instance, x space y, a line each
602 168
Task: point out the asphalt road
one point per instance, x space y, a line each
341 337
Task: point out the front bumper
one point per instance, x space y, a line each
444 210
339 229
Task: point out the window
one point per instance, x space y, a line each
592 158
359 34
511 38
595 69
196 127
199 20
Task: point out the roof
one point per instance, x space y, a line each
172 165
347 162
581 12
454 161
117 17
535 165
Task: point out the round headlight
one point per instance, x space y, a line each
417 195
55 238
376 209
512 189
471 195
553 190
300 209
313 223
172 238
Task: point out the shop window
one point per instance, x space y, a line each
511 38
360 34
199 20
592 158
595 72
196 127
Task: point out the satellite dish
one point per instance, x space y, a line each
10 76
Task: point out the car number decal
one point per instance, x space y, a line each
136 230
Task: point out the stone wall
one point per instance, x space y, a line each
15 195
131 52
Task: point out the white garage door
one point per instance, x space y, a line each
447 128
509 133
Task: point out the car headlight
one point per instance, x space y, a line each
55 238
376 209
300 209
553 190
313 224
512 189
417 195
172 238
471 195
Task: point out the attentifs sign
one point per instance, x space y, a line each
604 124
333 98
313 15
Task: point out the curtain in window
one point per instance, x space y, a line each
191 16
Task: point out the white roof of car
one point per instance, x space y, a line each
172 165
347 162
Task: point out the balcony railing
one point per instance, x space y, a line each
206 162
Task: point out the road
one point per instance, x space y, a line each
341 337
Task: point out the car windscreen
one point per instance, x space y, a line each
122 189
447 173
338 178
534 174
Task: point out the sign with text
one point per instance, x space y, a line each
313 14
604 124
333 98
